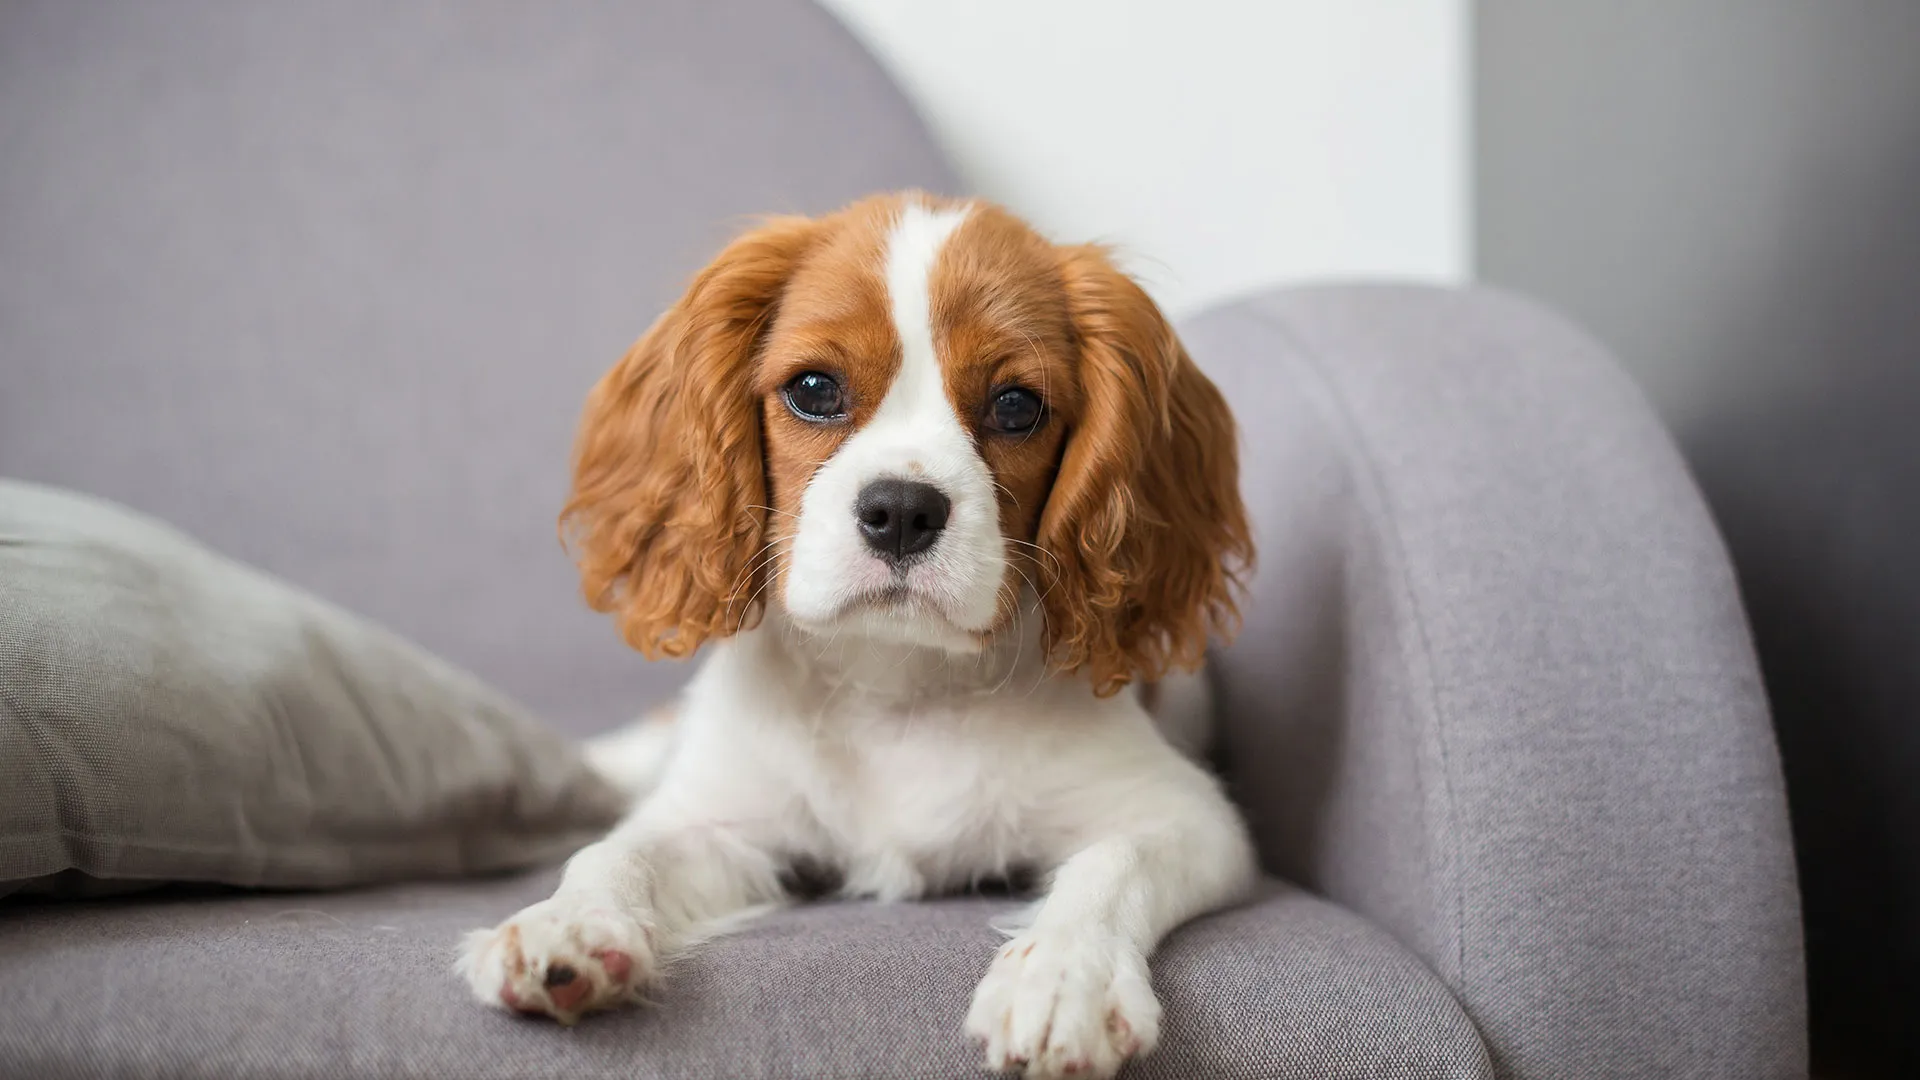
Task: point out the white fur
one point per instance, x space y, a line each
911 756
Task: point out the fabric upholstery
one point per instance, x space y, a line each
325 285
360 984
170 715
1495 690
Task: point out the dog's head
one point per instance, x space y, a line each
905 420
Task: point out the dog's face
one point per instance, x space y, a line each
910 388
900 420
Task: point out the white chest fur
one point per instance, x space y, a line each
905 781
908 803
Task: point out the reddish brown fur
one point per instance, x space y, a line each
669 486
1145 517
999 313
1122 506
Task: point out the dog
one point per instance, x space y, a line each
939 497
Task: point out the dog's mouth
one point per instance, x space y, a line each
899 609
909 605
895 598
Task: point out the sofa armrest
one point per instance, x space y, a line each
1495 689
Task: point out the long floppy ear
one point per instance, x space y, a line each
669 481
1148 535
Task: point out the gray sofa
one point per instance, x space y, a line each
325 284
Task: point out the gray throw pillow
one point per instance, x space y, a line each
168 715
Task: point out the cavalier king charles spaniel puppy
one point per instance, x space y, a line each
951 510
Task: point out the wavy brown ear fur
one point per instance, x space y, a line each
669 481
1145 518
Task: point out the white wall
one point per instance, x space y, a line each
1224 145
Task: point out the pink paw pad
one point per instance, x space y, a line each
512 1001
1118 1026
618 964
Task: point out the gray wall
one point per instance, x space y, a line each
1728 193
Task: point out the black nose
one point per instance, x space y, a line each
901 517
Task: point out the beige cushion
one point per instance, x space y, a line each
167 714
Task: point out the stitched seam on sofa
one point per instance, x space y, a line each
1382 519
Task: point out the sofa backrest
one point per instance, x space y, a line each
326 284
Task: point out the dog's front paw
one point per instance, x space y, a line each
1065 1004
561 958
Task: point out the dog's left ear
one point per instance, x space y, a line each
1145 524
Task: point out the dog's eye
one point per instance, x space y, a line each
1014 411
814 396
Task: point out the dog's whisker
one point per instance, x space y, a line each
773 510
747 609
1037 548
733 591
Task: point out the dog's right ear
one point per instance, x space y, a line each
669 482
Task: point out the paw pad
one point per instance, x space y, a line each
1065 1004
553 961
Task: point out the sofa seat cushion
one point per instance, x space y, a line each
361 984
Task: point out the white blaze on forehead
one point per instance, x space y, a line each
912 249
